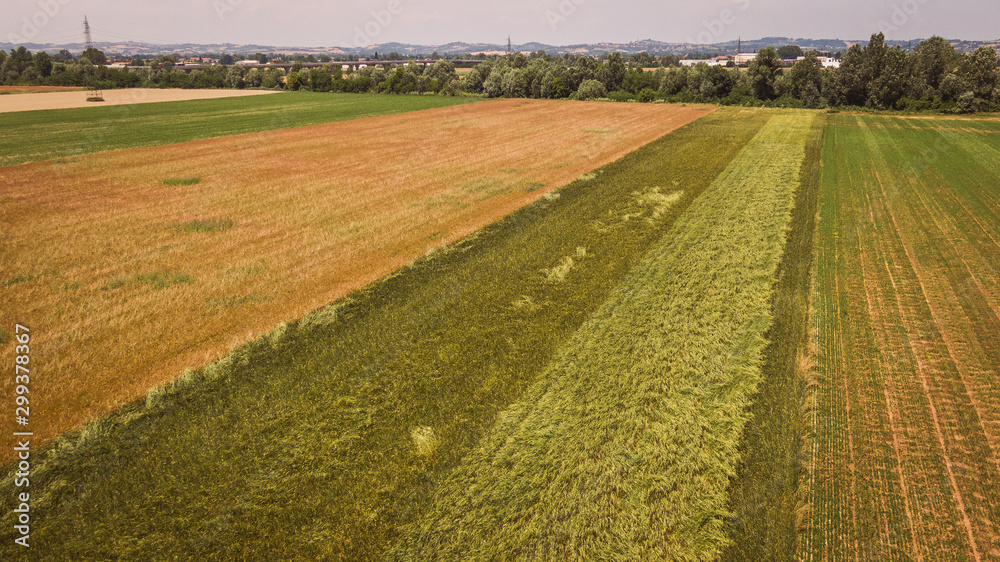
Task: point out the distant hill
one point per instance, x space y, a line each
648 45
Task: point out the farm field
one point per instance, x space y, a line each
135 265
906 413
62 133
339 428
40 100
625 445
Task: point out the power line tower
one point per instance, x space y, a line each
86 34
510 48
94 93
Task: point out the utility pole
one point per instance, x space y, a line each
93 92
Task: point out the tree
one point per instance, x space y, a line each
612 74
790 52
226 59
934 59
874 58
493 85
43 64
63 56
893 83
849 85
261 58
320 80
515 83
294 81
95 56
19 60
979 71
591 89
763 71
805 72
234 77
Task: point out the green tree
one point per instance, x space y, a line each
515 84
591 89
893 83
979 71
849 84
493 85
320 80
261 58
558 89
934 59
234 77
43 64
95 55
612 74
19 60
294 81
764 69
806 72
790 52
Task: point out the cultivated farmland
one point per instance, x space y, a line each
906 414
624 447
61 133
355 414
135 265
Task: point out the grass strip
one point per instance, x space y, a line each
323 439
625 446
766 497
30 136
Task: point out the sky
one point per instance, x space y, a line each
315 23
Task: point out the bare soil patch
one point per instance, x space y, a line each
49 99
38 89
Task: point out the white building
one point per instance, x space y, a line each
692 62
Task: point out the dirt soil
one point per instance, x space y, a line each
48 99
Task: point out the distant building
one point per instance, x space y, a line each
692 62
745 58
248 62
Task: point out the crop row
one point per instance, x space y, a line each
905 440
624 447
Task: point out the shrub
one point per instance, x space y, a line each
591 89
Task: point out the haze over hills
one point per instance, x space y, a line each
459 48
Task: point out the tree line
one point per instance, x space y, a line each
931 77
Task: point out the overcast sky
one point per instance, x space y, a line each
316 23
